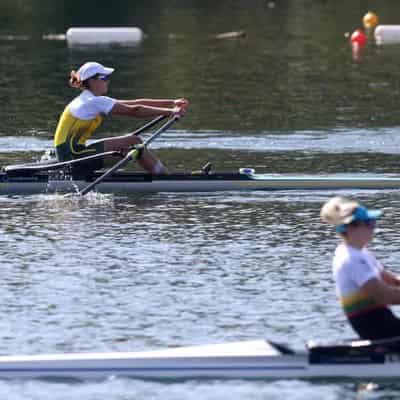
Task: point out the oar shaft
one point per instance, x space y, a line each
149 125
161 130
119 164
128 157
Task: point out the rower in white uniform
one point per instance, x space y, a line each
365 288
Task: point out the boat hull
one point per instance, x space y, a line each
145 183
256 359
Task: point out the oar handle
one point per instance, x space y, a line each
129 156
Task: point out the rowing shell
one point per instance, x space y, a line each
257 359
125 182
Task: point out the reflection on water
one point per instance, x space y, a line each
242 249
124 273
292 70
382 140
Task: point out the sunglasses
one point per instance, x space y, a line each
369 223
102 77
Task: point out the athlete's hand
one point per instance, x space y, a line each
183 103
178 111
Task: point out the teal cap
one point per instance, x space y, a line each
359 214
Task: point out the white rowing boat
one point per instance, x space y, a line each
52 176
257 359
125 182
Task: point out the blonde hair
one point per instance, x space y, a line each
338 210
75 81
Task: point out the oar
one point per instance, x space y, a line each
37 167
58 165
150 124
132 155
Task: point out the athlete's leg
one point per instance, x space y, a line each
376 324
148 160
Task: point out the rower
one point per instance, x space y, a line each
364 287
84 114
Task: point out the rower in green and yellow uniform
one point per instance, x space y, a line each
83 115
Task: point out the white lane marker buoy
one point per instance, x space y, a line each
104 35
387 34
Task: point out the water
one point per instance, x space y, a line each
122 273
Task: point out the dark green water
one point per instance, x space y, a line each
292 70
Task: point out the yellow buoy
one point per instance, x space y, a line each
370 20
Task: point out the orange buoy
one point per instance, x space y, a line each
358 37
370 20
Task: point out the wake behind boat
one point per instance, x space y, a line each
257 359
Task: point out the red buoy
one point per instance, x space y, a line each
358 37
